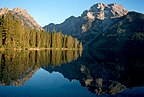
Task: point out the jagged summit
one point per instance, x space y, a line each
23 15
4 10
105 11
100 15
102 12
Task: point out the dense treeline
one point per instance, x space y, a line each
15 35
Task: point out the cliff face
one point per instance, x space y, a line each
126 33
91 23
103 13
26 18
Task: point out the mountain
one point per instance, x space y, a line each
105 26
126 33
26 18
70 26
93 21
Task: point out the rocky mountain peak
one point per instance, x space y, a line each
20 10
23 12
106 11
4 10
26 18
99 17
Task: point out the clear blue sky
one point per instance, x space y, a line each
56 11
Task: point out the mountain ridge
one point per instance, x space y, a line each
126 33
26 18
101 19
91 23
98 11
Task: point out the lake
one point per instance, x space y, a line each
71 73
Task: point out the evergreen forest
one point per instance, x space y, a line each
14 35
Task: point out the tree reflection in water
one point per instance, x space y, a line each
106 72
18 66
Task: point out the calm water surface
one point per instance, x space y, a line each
71 74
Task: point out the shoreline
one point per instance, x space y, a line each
16 49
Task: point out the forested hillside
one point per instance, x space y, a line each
14 35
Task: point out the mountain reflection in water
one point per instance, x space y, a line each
101 72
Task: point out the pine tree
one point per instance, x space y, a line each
64 44
54 40
32 38
25 38
59 40
69 42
